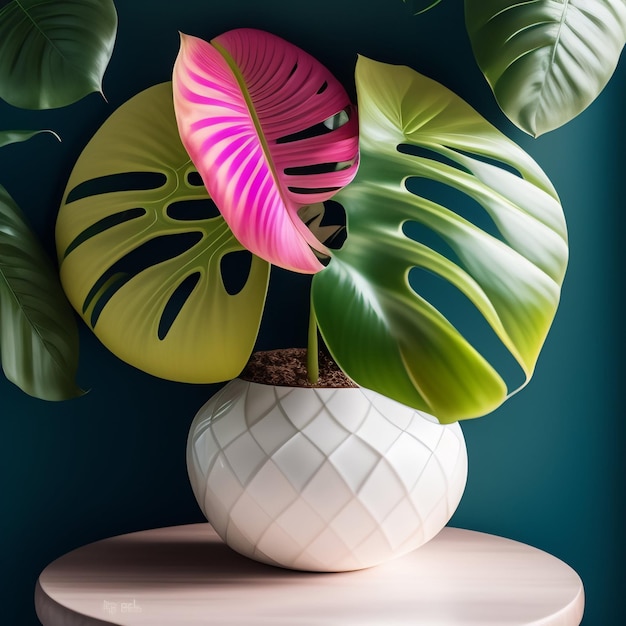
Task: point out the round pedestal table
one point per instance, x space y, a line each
185 575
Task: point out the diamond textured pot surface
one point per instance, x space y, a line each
322 479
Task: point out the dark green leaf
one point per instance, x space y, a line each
54 52
38 334
14 136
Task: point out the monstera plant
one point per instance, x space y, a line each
545 61
437 303
440 194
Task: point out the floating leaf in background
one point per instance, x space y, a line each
38 334
15 136
546 60
500 244
144 252
418 7
270 130
54 52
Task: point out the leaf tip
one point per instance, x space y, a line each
71 394
49 131
184 37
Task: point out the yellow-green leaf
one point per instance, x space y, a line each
144 252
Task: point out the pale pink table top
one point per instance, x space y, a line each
185 575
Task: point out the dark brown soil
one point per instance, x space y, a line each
287 368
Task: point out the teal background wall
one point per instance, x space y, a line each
547 468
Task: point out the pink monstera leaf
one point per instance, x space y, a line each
270 131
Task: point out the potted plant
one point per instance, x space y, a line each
273 135
144 254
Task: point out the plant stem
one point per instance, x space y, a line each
312 358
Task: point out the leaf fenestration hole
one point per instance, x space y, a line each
101 294
323 88
485 159
322 128
459 310
317 168
307 190
432 155
338 120
149 254
193 210
126 181
455 200
432 240
176 303
235 270
194 179
104 224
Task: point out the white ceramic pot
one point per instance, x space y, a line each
322 479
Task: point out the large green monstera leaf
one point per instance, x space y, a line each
546 60
38 333
440 195
54 52
144 256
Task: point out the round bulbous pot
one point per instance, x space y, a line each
322 479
